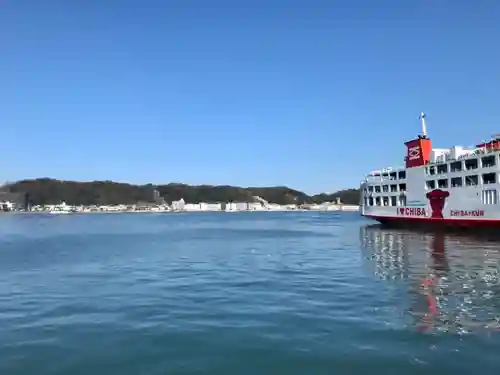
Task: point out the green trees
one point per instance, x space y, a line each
51 191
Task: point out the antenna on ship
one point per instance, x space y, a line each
422 122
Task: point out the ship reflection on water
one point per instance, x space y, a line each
451 282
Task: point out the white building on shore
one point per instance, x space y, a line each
202 206
178 205
6 206
211 206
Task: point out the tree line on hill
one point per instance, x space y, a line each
52 191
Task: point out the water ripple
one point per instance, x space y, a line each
291 293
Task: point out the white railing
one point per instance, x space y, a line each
472 154
382 179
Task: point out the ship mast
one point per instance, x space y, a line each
422 122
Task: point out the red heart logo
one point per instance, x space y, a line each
401 211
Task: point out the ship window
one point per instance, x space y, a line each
431 184
490 196
442 168
394 201
370 188
377 189
370 201
394 188
402 187
489 178
402 175
456 166
471 180
488 161
402 200
443 183
377 201
432 170
393 175
385 188
385 201
471 164
456 182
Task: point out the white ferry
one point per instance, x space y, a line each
455 187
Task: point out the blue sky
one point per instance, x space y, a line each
309 94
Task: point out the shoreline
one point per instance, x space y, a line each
56 213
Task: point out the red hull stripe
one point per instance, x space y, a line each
463 223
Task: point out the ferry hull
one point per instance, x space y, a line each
436 223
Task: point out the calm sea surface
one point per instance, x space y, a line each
243 293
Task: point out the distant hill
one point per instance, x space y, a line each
9 196
52 191
348 196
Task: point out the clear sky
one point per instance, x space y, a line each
309 94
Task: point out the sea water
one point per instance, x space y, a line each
243 293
